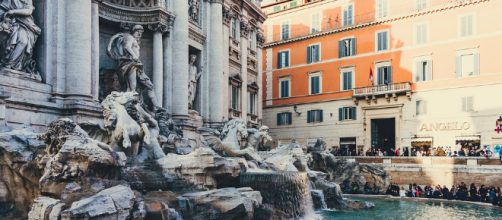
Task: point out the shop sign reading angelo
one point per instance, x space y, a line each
445 126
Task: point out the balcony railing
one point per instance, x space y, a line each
383 89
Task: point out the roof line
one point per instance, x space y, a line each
344 29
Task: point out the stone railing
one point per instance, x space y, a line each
467 161
383 89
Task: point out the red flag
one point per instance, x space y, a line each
371 76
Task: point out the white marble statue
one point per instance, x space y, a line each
193 78
18 34
125 49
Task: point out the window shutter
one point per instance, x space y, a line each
384 39
349 83
287 58
279 60
476 64
390 74
320 115
317 53
354 112
380 76
278 118
429 70
340 49
309 116
340 114
458 68
290 118
309 54
353 46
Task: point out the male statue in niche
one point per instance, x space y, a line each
125 48
193 78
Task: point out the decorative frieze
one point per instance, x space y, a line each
156 17
136 3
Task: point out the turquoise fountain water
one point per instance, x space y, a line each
387 209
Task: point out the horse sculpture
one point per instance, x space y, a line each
234 140
127 126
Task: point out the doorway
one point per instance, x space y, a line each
383 134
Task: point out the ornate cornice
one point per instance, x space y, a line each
156 18
215 1
260 38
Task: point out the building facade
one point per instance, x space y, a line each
213 45
387 74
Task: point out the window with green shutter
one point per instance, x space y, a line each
347 113
313 53
284 118
314 116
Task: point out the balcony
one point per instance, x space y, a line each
391 90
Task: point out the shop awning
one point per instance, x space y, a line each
468 138
421 139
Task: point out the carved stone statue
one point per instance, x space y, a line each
193 10
18 34
235 139
125 48
193 78
127 127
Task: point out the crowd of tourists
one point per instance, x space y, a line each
441 151
483 193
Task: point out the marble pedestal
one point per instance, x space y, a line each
27 101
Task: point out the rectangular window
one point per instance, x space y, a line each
282 59
315 83
284 118
347 79
316 23
314 116
252 103
422 4
284 87
423 70
277 8
348 15
293 4
421 108
468 104
466 26
382 8
421 33
314 53
347 47
235 98
467 64
382 40
252 41
384 74
347 113
285 31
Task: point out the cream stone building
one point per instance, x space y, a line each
74 66
415 73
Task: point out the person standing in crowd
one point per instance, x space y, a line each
398 152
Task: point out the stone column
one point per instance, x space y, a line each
78 45
244 69
95 51
180 60
168 74
216 107
158 67
259 81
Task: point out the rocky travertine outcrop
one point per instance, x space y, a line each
45 208
203 168
221 204
342 170
113 203
19 171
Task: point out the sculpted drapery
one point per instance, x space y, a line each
18 35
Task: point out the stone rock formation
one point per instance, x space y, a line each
341 170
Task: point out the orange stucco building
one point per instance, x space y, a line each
383 73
